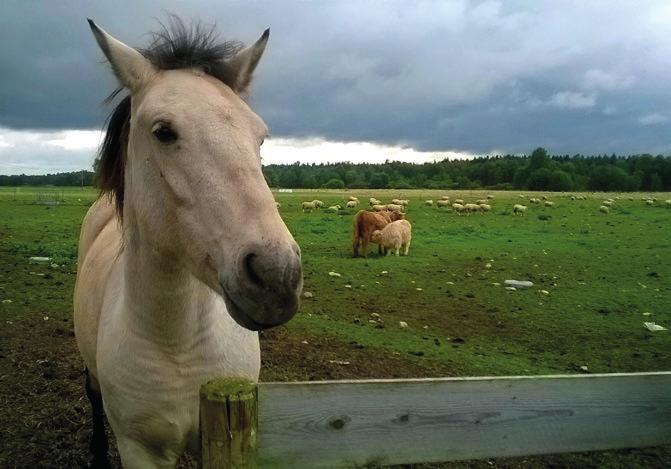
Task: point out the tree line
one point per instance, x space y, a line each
539 171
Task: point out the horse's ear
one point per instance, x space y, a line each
130 67
245 61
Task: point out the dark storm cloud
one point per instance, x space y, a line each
475 76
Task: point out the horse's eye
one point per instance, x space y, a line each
164 134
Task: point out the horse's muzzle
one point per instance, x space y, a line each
264 289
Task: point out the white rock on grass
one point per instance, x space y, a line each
511 288
308 294
519 283
652 327
335 274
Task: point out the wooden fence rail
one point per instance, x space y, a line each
380 422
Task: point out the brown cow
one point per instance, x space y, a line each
367 222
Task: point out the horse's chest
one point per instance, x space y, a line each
152 392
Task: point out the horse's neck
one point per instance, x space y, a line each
164 303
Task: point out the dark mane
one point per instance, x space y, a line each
174 46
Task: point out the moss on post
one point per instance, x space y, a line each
228 423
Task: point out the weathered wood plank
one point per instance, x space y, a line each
355 423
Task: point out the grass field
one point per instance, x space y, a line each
597 278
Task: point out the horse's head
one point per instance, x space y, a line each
181 156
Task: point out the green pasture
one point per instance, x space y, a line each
597 278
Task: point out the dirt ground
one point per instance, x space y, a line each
45 416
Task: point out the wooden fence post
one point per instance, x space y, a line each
228 423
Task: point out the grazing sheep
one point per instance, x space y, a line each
549 204
471 208
485 207
489 196
405 202
353 199
481 201
459 208
573 197
521 209
445 197
459 201
607 203
364 223
397 202
395 235
604 209
395 207
442 203
379 208
650 202
667 202
318 203
309 206
334 208
374 201
534 200
428 203
522 196
351 204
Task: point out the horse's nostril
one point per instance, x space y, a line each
251 272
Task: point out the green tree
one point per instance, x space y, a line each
379 181
334 184
560 181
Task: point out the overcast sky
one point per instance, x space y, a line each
365 81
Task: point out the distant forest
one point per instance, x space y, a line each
539 171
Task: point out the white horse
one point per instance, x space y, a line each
188 256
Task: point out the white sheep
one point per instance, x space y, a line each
485 207
650 202
481 201
471 208
459 208
442 203
353 199
334 208
405 202
667 202
374 201
318 203
394 207
490 196
459 201
397 202
445 197
351 204
428 203
604 209
310 206
607 203
521 209
395 235
549 204
379 207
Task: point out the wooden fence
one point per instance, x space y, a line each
381 422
